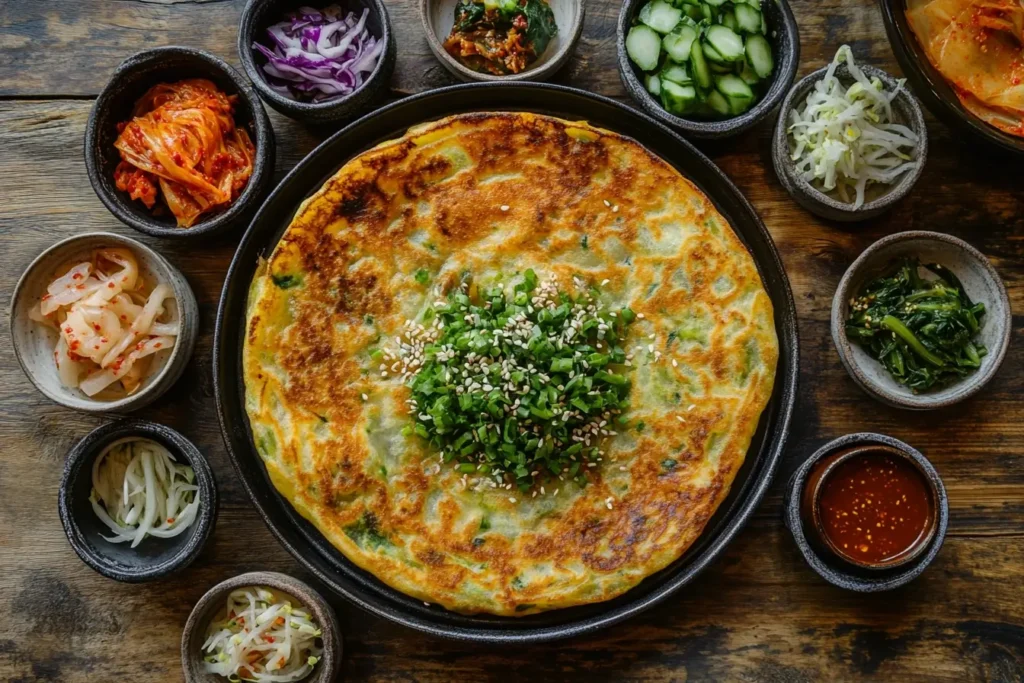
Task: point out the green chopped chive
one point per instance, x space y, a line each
517 383
422 276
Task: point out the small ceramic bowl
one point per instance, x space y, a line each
980 280
880 198
934 90
212 605
829 565
258 15
153 558
34 343
785 41
439 16
130 81
815 486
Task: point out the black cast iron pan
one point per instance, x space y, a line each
305 542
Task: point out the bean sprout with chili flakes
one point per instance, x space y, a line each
262 638
183 139
108 320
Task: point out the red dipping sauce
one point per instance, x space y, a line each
875 508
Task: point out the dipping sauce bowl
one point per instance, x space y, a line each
870 505
868 512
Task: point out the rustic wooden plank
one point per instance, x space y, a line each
758 614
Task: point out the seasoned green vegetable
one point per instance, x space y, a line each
714 51
520 386
921 330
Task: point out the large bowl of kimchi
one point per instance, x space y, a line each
946 98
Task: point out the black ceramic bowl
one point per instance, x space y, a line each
130 81
933 89
828 565
785 40
260 14
153 558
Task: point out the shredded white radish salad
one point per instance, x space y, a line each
845 138
139 490
263 639
108 323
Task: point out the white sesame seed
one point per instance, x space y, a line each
504 207
607 203
511 499
365 397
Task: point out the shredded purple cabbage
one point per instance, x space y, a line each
318 55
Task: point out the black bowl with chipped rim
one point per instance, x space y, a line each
310 547
154 558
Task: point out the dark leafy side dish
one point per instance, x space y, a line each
978 46
507 363
704 58
500 36
921 330
182 144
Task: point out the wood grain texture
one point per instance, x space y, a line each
758 614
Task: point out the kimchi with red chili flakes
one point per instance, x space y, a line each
500 37
182 144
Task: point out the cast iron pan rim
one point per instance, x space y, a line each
786 380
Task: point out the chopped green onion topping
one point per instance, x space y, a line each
511 387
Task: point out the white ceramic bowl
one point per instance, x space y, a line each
980 280
34 343
439 16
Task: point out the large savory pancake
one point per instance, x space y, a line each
482 198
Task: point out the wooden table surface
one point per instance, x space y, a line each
758 613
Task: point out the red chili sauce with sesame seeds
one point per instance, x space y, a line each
874 507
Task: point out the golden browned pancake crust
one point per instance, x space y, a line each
492 194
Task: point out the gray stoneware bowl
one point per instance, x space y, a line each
206 610
980 280
439 15
785 41
34 343
828 566
258 15
880 198
154 558
132 78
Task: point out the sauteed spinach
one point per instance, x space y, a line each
921 330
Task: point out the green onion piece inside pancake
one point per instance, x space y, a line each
921 330
518 386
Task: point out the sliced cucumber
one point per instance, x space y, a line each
729 20
748 19
701 72
747 73
764 25
677 44
707 13
736 92
726 42
676 73
712 54
653 84
715 3
643 45
759 54
718 68
660 15
718 103
678 99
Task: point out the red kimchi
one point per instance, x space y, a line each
183 140
978 46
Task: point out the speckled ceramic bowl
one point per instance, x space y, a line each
439 15
784 37
130 80
827 564
208 607
980 280
880 198
154 558
34 343
258 15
